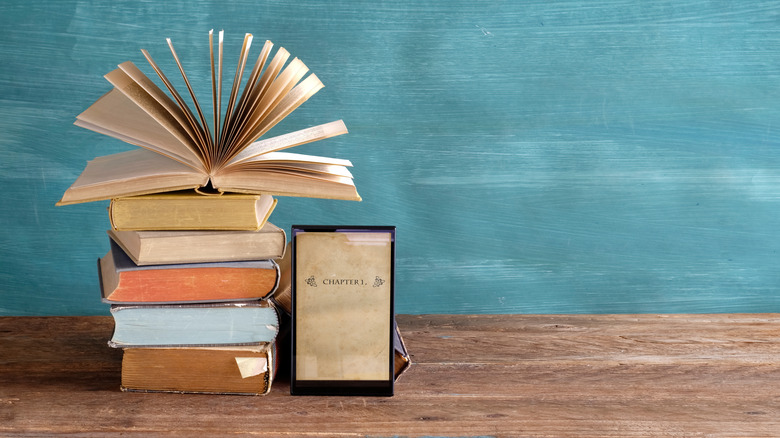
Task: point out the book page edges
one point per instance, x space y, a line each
291 139
136 126
343 195
135 141
142 92
131 173
130 247
73 198
348 193
262 209
287 182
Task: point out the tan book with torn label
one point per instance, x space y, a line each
244 370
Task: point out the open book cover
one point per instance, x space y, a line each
183 148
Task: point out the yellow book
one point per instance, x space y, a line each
190 210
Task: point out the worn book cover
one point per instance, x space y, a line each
171 247
242 370
191 210
123 281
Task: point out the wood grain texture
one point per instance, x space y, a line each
473 375
605 156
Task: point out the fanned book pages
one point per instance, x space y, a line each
180 149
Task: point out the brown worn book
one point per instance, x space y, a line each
244 370
167 247
189 210
181 149
122 281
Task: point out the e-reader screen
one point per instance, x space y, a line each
343 280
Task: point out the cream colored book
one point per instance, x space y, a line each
169 247
180 149
188 210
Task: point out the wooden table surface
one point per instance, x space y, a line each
486 375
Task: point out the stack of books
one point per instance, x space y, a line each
188 279
192 264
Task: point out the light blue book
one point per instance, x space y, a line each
242 323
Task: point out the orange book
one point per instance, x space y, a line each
122 281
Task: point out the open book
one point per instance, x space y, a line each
180 149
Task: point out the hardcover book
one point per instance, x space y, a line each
190 210
401 359
122 281
169 247
241 370
282 295
194 325
180 148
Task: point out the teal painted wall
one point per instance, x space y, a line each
536 156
